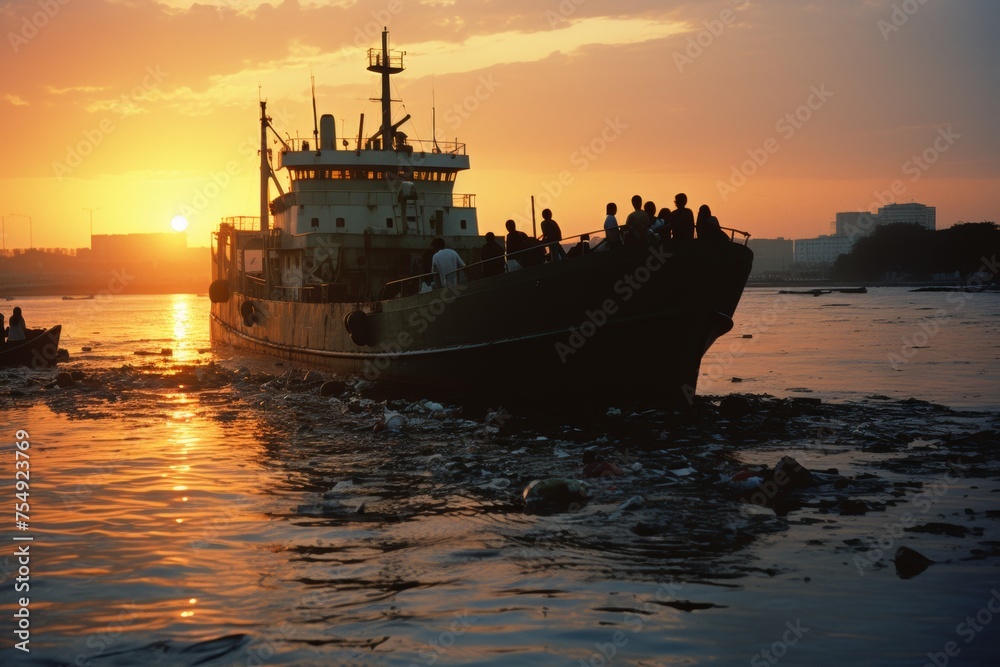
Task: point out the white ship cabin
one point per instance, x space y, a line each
359 212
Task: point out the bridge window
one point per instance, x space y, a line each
463 224
315 223
341 223
388 222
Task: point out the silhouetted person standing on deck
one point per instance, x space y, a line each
492 256
682 219
650 210
611 230
551 236
516 242
708 225
662 225
637 224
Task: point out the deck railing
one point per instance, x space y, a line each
243 223
419 146
411 285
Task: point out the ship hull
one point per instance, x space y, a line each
631 323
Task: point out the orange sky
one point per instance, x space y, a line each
777 113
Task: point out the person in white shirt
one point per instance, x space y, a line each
444 264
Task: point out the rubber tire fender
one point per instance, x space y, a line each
218 291
249 313
356 323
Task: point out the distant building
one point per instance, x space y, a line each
914 214
772 258
822 250
855 224
777 258
861 223
137 246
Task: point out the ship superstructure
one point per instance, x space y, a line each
357 214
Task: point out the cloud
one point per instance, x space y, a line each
286 78
16 100
75 89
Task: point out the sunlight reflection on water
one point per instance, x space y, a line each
166 517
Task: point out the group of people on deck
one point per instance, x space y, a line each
15 329
643 226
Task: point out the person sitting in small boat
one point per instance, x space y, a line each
492 256
551 236
16 328
708 225
445 264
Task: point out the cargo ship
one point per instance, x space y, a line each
335 273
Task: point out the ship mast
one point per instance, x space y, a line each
265 169
386 64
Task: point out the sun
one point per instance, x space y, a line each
179 223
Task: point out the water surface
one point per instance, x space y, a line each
187 509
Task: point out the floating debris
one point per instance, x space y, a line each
550 496
910 563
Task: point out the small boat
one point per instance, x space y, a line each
39 350
812 292
78 298
821 292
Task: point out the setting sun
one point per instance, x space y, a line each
179 223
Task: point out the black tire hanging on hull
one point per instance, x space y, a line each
218 291
249 313
356 323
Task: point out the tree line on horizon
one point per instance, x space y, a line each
913 251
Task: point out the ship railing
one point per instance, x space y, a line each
419 146
255 287
734 232
405 286
243 223
475 270
394 59
411 285
463 201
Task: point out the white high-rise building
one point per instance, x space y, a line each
914 214
822 250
